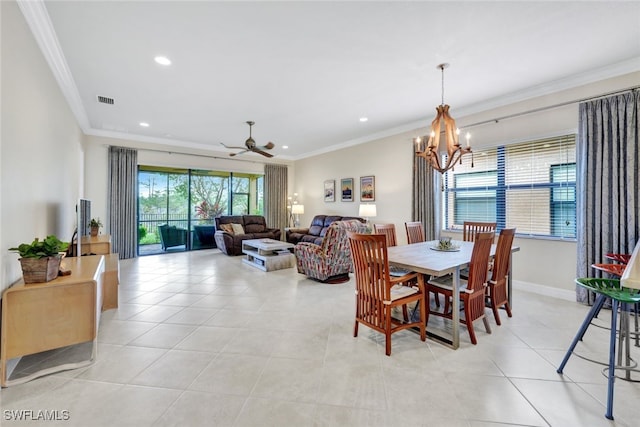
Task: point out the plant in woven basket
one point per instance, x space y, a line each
95 225
40 259
50 246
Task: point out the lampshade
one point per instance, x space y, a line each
297 209
367 210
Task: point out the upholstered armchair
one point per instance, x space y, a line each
170 236
331 261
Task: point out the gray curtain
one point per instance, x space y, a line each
607 182
425 200
275 196
123 182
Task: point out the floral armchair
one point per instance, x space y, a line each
331 261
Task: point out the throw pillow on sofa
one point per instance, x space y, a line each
237 229
227 227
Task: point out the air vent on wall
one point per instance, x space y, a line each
105 100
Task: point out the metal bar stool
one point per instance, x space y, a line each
622 292
616 270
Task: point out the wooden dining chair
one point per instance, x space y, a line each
415 232
471 228
389 230
497 295
377 293
472 291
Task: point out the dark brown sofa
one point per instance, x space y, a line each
316 231
254 227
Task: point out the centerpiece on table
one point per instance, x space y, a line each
40 259
445 244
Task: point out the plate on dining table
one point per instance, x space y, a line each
451 249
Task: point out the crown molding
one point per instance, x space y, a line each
37 17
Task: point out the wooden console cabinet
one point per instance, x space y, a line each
45 316
96 245
101 245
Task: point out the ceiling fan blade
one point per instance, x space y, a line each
269 146
264 153
238 153
233 147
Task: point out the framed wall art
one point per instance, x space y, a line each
330 190
346 189
367 188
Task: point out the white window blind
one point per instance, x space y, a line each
530 186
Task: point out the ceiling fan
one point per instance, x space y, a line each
250 145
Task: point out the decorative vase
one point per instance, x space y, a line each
94 231
38 270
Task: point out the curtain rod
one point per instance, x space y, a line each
550 107
199 155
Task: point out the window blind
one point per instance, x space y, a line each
530 186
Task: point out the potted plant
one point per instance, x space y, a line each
95 225
40 259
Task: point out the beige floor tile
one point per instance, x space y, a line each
200 339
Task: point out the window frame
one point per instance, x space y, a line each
450 214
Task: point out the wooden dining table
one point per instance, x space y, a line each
423 258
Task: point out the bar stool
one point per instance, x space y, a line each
616 270
622 292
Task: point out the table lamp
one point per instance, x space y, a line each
297 210
367 211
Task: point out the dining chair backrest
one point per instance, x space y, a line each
369 253
415 232
478 266
389 230
498 293
502 258
471 228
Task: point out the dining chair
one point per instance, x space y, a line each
472 291
471 228
377 293
389 230
415 232
497 295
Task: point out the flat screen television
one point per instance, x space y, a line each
83 209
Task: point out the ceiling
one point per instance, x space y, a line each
306 72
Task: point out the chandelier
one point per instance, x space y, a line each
443 123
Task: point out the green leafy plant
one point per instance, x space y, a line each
445 244
50 246
95 222
142 232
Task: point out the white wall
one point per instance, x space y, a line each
549 263
41 153
43 161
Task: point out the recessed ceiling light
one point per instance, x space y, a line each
285 147
144 124
162 60
364 119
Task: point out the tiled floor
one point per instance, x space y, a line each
201 339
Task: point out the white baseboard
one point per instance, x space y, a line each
549 291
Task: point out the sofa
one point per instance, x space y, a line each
232 230
329 262
316 231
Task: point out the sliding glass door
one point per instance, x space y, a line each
177 207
